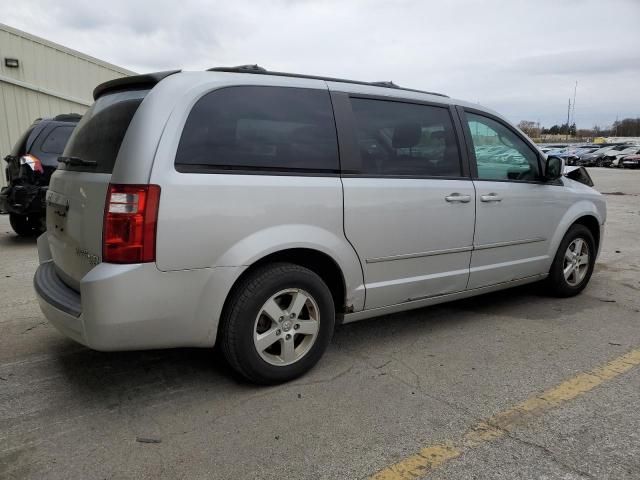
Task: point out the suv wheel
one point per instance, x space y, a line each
277 324
573 263
26 225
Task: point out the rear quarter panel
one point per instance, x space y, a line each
209 220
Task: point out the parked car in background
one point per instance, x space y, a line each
573 155
631 161
614 158
568 153
593 158
256 210
29 167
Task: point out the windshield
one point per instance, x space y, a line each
96 140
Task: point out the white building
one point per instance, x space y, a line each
634 140
38 79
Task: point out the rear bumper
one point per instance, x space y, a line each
60 304
135 307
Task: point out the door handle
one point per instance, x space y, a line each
456 197
491 197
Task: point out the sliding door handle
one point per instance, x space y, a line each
458 198
491 197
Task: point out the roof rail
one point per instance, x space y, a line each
257 69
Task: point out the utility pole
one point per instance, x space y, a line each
573 108
568 113
573 114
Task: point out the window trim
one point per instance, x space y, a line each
254 170
462 111
274 171
348 143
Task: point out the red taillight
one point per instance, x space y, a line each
130 218
33 162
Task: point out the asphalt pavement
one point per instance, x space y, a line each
508 385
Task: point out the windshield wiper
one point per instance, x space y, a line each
75 161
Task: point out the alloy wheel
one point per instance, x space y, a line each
286 327
576 262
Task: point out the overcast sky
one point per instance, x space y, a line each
519 57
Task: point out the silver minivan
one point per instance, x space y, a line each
256 210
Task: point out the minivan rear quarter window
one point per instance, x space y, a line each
98 136
260 129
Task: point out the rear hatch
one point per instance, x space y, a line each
78 189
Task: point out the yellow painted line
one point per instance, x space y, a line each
432 457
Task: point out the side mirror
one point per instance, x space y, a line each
554 168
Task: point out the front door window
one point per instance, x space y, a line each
500 153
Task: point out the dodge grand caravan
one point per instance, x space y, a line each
256 210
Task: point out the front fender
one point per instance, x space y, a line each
578 210
262 243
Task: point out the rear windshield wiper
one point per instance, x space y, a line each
75 161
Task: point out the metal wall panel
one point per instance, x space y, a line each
50 80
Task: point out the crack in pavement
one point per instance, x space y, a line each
34 326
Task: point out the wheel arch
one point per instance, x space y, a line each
325 266
321 263
593 225
584 213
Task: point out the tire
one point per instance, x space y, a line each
561 285
26 225
276 288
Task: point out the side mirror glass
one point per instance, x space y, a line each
554 168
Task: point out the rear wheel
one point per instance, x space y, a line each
27 225
573 264
277 324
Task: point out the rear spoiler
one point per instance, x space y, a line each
147 80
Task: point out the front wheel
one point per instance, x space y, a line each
573 264
277 324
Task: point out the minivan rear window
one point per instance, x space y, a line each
98 136
260 129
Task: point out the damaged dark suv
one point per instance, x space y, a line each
29 167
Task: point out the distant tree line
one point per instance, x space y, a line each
628 127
